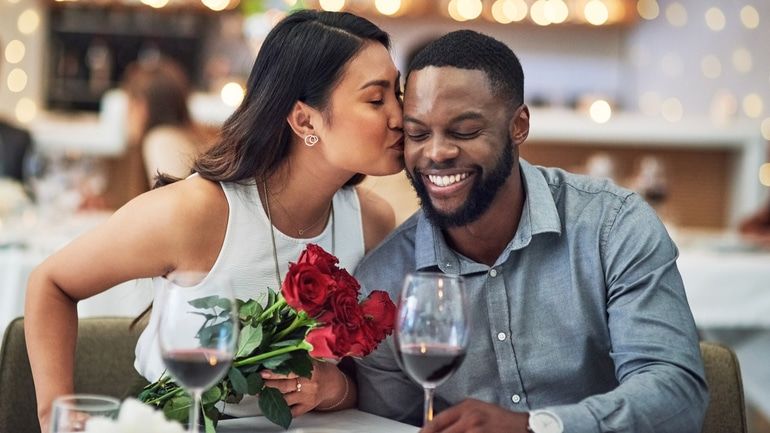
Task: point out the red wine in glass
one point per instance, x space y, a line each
431 365
197 368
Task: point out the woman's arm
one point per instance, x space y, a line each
150 236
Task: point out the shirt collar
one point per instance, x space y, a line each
539 215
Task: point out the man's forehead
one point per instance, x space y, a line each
445 90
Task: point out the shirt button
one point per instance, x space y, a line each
501 336
493 273
515 398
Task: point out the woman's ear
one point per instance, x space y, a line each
301 119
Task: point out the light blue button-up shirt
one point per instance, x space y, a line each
584 313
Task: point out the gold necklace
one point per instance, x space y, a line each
300 231
272 232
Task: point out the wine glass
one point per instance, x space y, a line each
197 333
431 330
70 413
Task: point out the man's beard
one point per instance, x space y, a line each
483 192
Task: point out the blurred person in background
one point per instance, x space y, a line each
15 143
322 109
756 227
158 118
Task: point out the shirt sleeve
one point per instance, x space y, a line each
654 342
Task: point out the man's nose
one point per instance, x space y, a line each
439 149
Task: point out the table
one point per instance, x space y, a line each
728 288
346 421
28 243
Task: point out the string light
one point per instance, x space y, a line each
498 12
388 7
596 12
537 13
332 5
600 111
648 9
17 80
764 174
28 22
715 19
469 9
766 129
214 5
26 110
232 94
556 11
157 4
515 10
752 105
676 14
749 17
15 51
453 12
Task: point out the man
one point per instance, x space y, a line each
580 320
14 145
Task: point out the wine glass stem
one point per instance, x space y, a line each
428 414
195 411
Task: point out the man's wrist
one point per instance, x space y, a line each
544 421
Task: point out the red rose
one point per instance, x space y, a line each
323 341
346 282
380 312
306 288
362 341
318 257
344 305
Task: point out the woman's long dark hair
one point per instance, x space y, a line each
302 59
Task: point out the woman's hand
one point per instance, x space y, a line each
326 387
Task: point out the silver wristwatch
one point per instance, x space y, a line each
544 421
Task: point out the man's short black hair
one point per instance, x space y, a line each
466 49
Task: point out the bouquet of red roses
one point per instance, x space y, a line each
315 315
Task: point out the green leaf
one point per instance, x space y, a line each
286 343
250 310
274 407
238 380
276 361
271 297
211 396
255 383
178 408
207 302
210 335
250 339
210 419
301 363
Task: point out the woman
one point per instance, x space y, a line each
158 119
322 108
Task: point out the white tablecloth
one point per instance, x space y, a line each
727 289
346 421
26 245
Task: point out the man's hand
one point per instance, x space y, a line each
474 416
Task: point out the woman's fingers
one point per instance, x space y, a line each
267 374
284 385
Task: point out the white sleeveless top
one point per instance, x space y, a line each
246 256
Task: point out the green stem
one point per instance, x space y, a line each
278 304
167 396
254 359
300 320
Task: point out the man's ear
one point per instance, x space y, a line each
301 119
519 126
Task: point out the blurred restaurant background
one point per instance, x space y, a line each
669 98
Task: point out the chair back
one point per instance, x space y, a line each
726 412
104 364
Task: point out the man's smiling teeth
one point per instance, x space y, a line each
447 180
